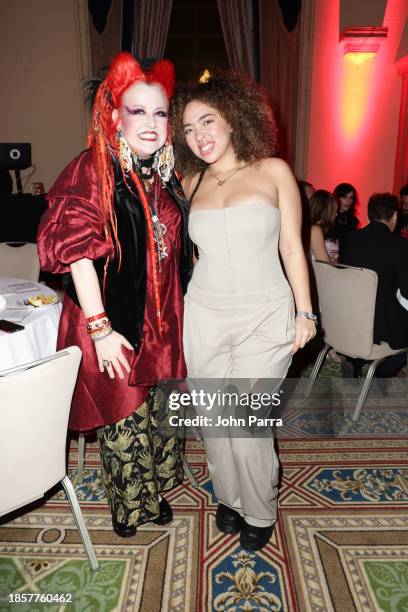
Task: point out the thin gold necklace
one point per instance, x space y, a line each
220 182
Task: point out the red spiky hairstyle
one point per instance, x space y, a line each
124 71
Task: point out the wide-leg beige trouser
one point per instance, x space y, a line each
247 337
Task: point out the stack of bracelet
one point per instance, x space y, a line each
99 326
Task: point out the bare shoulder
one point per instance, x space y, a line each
316 230
189 183
276 168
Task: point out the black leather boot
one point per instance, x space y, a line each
123 531
166 513
254 538
227 519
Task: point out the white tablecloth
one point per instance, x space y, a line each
39 337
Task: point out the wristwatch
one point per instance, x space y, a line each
307 315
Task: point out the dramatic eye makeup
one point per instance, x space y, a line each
134 111
141 111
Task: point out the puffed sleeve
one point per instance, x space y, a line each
72 227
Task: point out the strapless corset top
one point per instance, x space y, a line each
238 248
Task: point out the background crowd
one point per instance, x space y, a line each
331 233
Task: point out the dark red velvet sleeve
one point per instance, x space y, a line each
72 227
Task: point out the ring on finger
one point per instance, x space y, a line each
106 363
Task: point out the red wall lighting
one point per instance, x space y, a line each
360 46
362 40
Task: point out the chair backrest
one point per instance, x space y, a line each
19 261
347 305
35 401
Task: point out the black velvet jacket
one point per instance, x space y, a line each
125 289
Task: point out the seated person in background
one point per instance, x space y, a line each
402 220
376 247
320 219
306 189
323 210
346 219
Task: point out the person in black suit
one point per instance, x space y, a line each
402 220
376 247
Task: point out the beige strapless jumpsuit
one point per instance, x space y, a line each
239 323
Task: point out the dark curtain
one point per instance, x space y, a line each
105 32
151 26
237 21
99 11
279 64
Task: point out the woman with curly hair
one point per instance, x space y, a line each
323 209
116 229
239 312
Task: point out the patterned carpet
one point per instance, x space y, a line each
341 541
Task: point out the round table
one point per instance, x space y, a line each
39 337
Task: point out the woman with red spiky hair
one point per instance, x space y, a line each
116 228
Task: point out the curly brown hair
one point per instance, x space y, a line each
241 102
323 209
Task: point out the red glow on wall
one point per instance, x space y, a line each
355 105
356 90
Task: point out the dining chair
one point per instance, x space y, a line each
19 260
35 401
347 298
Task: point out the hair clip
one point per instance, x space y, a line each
205 77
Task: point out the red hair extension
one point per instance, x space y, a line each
124 70
163 73
152 247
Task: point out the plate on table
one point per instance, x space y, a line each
41 299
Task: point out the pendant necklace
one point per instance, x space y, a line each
159 229
220 182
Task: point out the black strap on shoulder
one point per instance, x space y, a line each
200 178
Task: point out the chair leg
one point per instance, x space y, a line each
366 388
79 519
316 369
81 457
189 473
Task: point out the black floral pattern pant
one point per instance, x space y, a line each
138 463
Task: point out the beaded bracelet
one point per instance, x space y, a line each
96 328
97 325
96 332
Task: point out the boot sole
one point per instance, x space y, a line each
228 527
254 545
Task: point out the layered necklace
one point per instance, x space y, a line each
147 170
